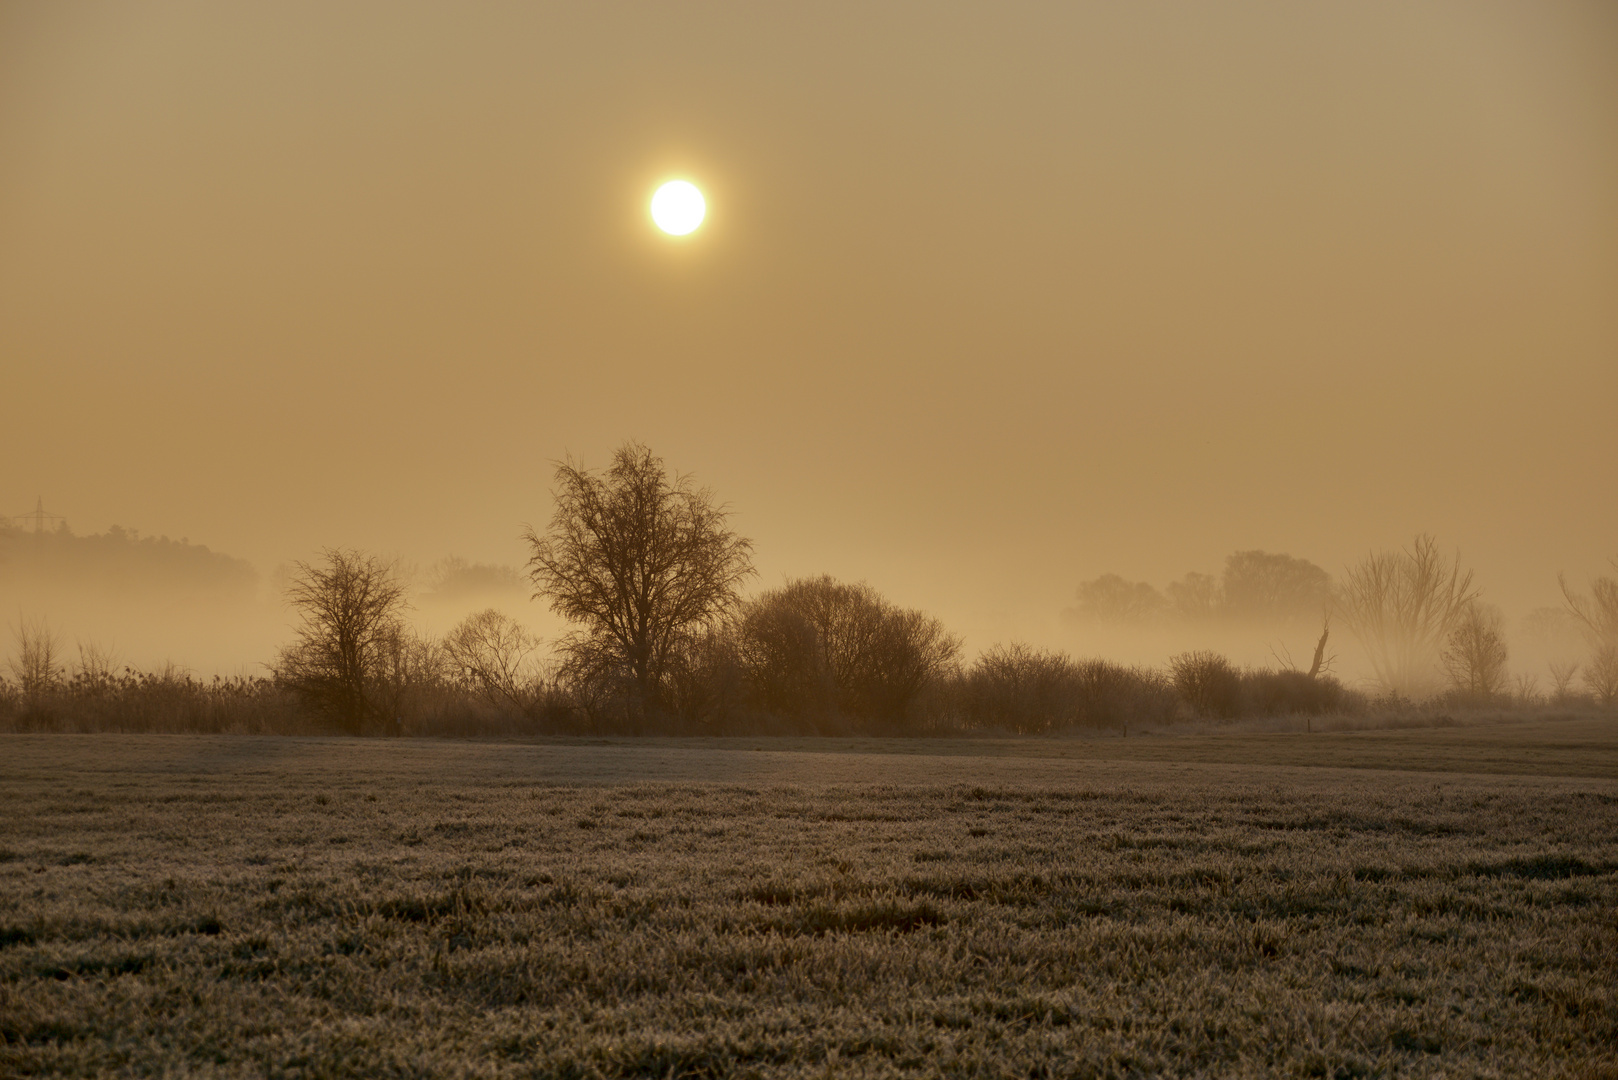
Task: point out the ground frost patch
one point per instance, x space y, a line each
1124 921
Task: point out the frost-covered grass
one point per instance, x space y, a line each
289 907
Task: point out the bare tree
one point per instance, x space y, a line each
410 667
1320 665
1111 599
1474 655
1265 586
638 558
1562 680
778 647
495 654
350 636
1597 615
38 666
1601 675
1402 605
1195 596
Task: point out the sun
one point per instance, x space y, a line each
678 207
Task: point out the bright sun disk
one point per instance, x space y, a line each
678 207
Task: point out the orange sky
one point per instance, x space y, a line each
991 298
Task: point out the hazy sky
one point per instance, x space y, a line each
991 298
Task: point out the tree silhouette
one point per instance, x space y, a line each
351 634
638 558
817 642
1474 655
1265 585
1402 605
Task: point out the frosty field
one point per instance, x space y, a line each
1238 905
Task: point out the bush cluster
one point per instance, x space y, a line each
866 667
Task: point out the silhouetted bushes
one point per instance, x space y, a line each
1207 683
838 657
171 702
815 657
1029 691
1293 693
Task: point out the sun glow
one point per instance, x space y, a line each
678 207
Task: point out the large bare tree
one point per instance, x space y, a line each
1402 606
638 557
350 634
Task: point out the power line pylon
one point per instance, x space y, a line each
38 518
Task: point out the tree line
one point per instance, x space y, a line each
1416 613
648 572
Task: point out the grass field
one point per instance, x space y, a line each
1216 905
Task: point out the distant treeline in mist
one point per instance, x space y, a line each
1415 615
1256 587
117 562
646 569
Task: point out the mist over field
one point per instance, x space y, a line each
987 305
150 602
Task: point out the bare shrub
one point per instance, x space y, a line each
1208 683
704 678
1021 689
1402 605
822 638
494 654
1291 693
600 682
1024 690
1117 695
413 674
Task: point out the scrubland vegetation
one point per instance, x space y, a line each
288 907
447 688
645 568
